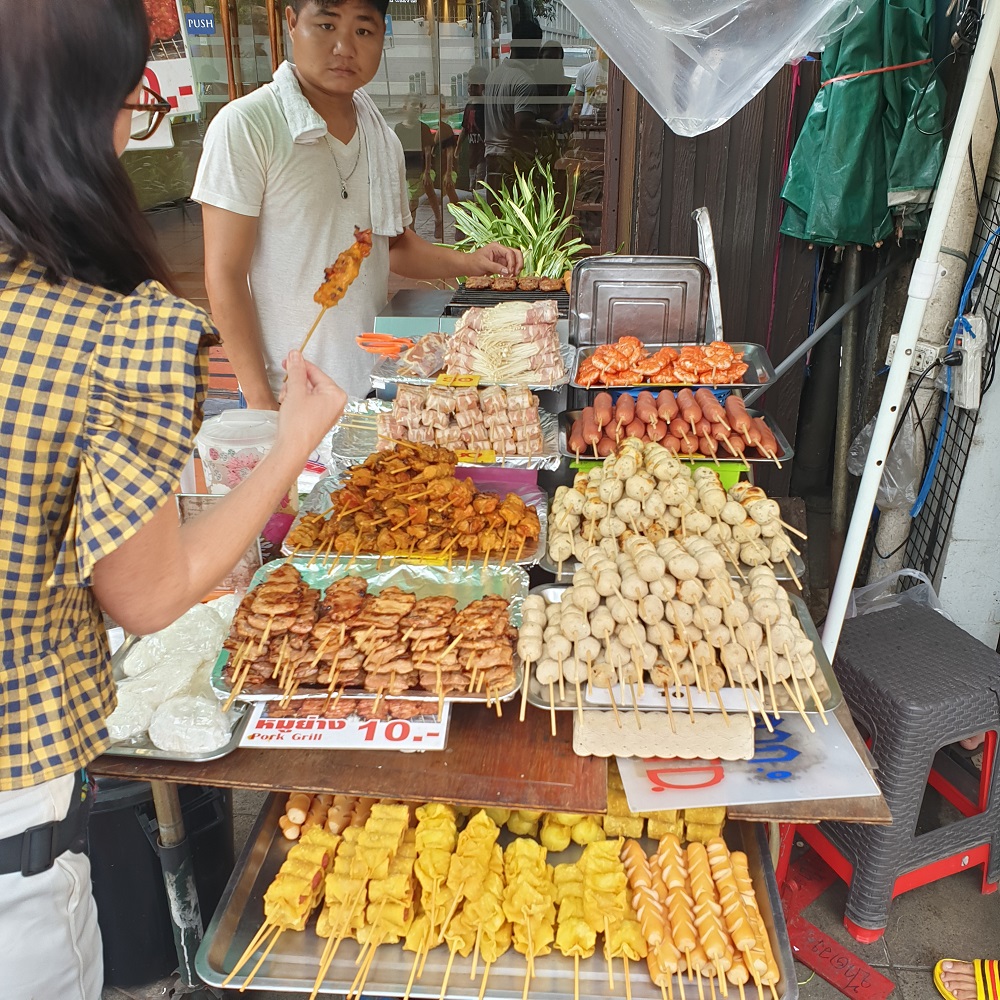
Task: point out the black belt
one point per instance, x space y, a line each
36 850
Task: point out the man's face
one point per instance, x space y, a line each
337 46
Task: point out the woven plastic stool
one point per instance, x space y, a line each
916 682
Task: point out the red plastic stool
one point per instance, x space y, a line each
958 788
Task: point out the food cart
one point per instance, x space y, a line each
525 741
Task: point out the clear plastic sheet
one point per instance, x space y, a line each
190 724
698 62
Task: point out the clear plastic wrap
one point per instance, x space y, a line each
190 724
698 62
884 594
901 474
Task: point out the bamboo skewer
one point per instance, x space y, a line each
312 330
265 930
261 960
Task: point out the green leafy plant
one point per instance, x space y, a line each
528 215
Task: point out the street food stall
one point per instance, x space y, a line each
533 610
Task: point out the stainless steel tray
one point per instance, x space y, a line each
511 583
787 452
293 963
349 445
660 300
386 370
760 372
143 746
653 697
318 501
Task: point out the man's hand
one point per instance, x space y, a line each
494 258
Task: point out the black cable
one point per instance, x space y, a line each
909 401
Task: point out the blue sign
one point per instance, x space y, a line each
388 25
200 24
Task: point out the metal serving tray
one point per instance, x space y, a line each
466 585
787 452
350 445
386 370
760 372
653 697
318 501
660 300
143 746
294 961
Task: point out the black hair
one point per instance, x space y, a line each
382 6
525 31
66 201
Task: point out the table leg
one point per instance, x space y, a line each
182 892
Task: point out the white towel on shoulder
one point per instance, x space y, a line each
389 202
387 192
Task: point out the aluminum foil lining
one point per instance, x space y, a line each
349 445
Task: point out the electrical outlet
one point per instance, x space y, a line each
924 354
966 378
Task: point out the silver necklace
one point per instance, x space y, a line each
357 159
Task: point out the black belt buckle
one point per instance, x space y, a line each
38 848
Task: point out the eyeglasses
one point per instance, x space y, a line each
149 111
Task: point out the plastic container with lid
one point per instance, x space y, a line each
230 446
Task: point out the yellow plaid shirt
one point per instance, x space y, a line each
100 396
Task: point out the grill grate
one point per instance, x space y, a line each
465 298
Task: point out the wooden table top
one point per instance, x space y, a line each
488 761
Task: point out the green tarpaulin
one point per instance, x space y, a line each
863 165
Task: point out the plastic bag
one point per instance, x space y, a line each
189 725
882 595
698 62
901 473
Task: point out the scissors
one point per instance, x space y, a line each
383 343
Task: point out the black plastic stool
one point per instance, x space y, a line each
916 682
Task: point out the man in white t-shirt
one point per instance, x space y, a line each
512 107
286 174
590 96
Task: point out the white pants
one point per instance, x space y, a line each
50 944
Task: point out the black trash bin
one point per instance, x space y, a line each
128 883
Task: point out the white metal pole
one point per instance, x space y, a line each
925 273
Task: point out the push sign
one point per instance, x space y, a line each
200 24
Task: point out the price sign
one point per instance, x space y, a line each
457 381
486 457
425 732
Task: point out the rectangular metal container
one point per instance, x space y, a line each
566 423
351 443
660 300
760 372
293 963
653 697
465 585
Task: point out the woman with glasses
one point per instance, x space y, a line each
102 376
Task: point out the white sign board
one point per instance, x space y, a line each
318 733
168 72
789 765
